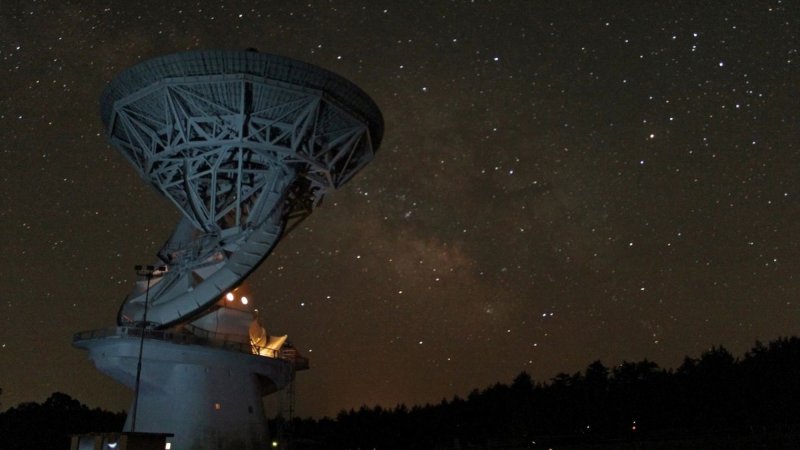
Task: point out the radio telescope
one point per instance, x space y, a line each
245 145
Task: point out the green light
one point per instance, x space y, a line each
274 444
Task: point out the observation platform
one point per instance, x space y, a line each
198 337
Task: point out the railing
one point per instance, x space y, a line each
201 337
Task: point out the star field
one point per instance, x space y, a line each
556 185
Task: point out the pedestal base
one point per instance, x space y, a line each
207 397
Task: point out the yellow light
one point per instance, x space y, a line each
229 296
244 300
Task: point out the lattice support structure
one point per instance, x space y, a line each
242 143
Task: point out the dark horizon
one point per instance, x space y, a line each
792 342
712 400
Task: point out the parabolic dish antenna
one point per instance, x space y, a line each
244 144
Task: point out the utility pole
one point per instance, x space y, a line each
148 272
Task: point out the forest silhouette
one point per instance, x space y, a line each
49 425
714 398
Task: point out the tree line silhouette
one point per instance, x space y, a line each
49 425
714 395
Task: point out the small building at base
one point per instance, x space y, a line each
121 441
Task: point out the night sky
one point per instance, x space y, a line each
556 185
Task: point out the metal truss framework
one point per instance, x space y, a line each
240 156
